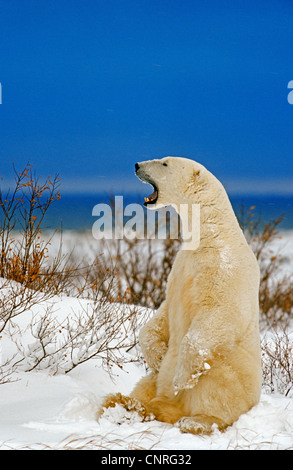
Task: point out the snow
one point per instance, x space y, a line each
42 411
45 409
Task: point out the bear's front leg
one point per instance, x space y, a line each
185 379
154 337
192 362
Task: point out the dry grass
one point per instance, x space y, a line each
139 440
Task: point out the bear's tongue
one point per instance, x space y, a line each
152 197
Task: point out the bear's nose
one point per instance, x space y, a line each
136 166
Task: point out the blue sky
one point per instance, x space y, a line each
89 88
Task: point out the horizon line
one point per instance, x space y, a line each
233 186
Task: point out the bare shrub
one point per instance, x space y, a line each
25 278
24 209
30 278
276 304
142 268
276 289
7 369
97 330
277 361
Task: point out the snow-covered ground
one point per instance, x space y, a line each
39 410
56 412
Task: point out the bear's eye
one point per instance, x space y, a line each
165 164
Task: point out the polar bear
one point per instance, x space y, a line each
202 345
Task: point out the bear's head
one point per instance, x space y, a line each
174 180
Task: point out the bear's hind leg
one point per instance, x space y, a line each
166 410
200 424
129 403
146 389
143 393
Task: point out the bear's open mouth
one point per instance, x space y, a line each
152 198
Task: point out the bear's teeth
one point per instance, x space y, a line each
146 199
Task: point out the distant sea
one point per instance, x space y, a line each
74 211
